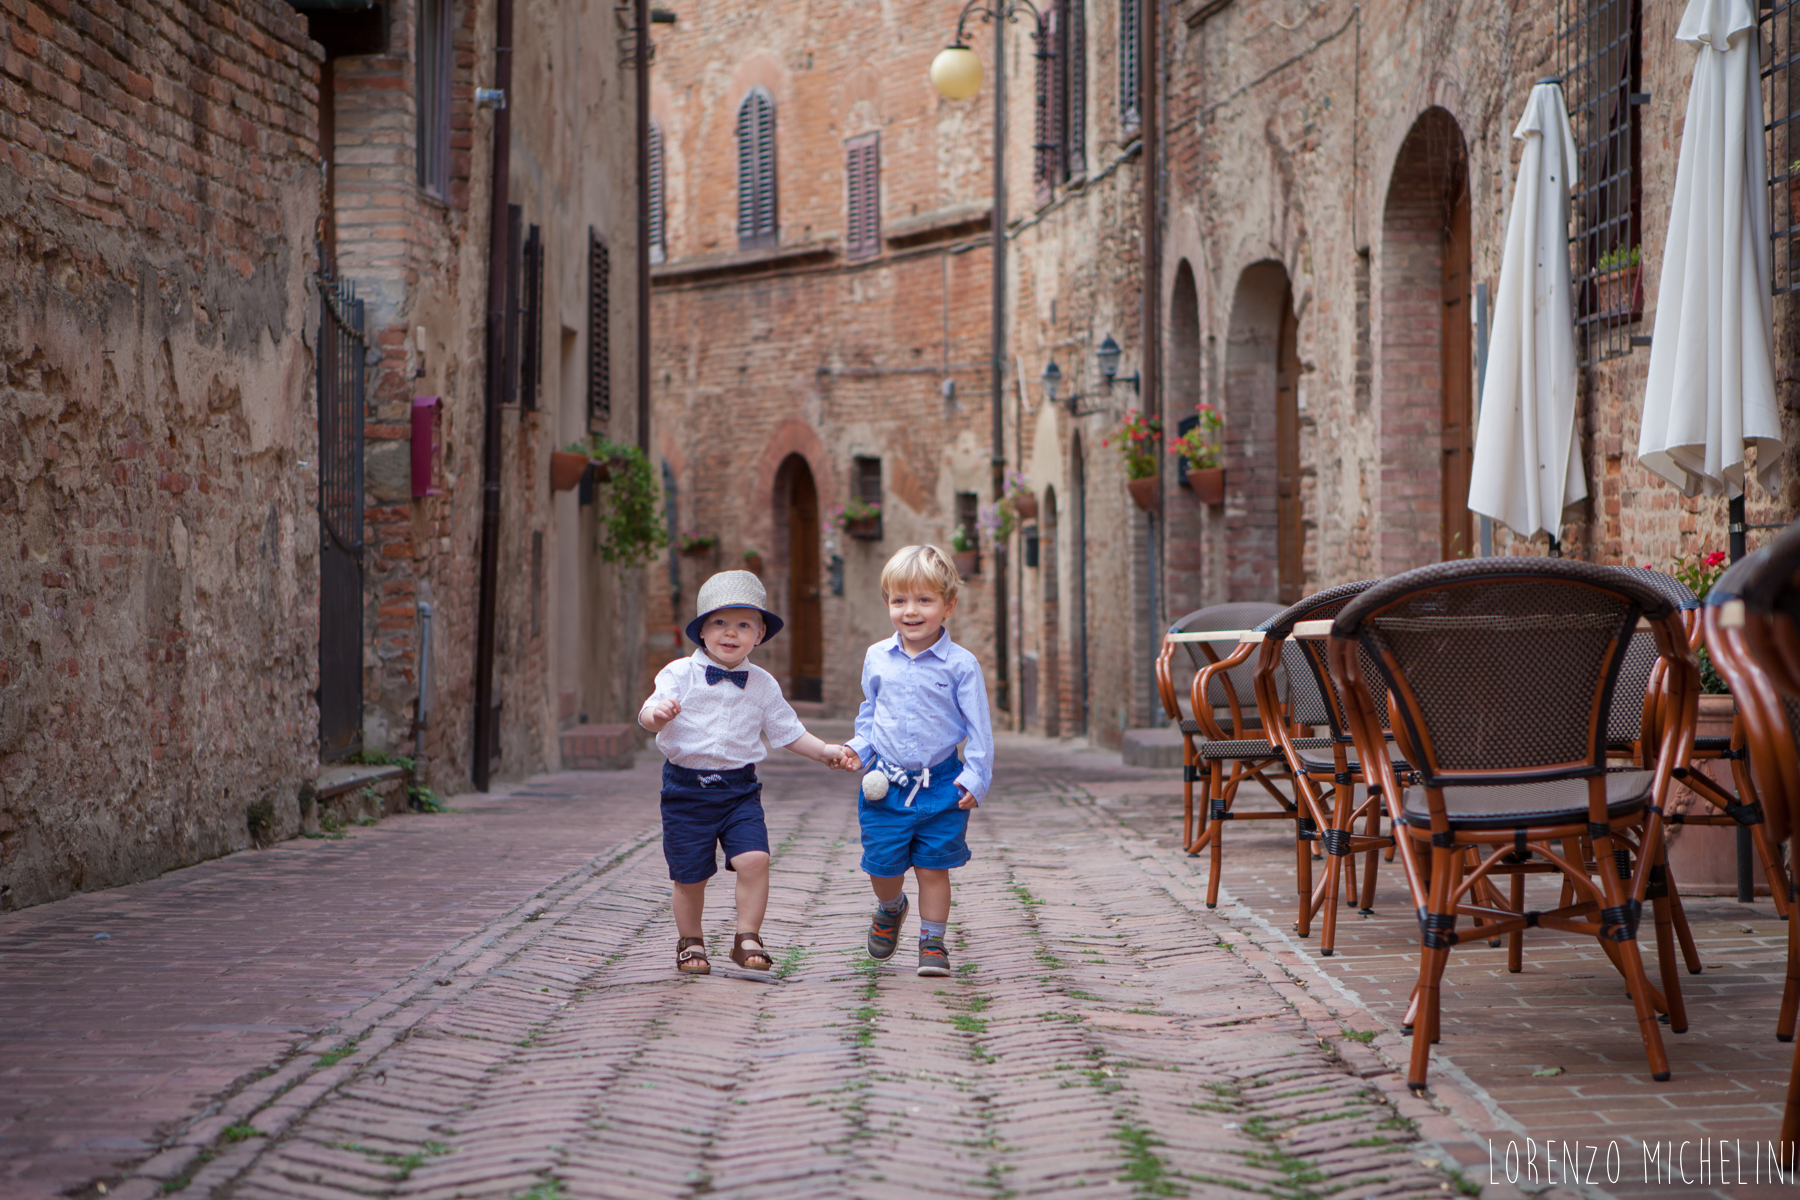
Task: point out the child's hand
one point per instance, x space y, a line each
966 801
662 714
849 761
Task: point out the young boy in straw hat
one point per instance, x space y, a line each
709 713
923 695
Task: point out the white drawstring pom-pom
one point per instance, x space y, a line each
875 785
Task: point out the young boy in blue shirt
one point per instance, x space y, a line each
922 696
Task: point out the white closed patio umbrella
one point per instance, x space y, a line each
1711 388
1527 468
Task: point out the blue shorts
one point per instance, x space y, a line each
930 834
704 809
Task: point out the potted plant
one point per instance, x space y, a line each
1020 496
996 521
1700 572
1198 449
567 466
1137 437
859 518
1619 277
631 505
695 544
963 552
753 560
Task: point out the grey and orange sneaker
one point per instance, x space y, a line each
933 958
884 930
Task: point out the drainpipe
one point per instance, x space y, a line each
498 251
1149 60
997 367
643 240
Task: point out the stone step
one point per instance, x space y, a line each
598 747
1151 748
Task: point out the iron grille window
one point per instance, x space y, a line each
659 246
862 179
1130 49
599 332
1783 127
1047 143
866 479
756 171
434 62
340 363
1599 44
531 353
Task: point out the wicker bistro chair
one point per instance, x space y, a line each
1221 727
1752 622
1637 704
1500 674
1768 720
1322 764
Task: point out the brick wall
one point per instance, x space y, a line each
158 602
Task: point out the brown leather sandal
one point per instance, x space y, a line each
752 959
690 956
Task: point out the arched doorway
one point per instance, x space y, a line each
1184 345
1265 533
1049 677
797 519
1425 365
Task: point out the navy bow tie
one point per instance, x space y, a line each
718 674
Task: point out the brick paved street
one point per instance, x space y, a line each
482 1004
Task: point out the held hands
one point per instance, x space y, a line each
842 758
662 714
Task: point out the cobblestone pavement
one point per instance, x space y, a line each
483 1004
1551 1053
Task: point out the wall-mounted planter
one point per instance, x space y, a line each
699 547
968 562
1208 484
566 469
866 528
1026 505
1146 493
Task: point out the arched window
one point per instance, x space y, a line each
659 245
1130 53
756 171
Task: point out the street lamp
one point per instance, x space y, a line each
956 73
1052 380
1108 354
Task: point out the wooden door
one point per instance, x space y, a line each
1456 415
804 625
1290 532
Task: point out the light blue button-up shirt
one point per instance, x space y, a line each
915 710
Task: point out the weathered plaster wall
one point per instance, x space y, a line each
158 600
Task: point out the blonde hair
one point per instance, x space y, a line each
924 567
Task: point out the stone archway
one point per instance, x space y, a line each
1424 365
796 506
1264 531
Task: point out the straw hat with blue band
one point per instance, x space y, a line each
733 589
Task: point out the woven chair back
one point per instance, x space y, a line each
1503 669
1311 687
1244 614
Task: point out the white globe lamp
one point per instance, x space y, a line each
956 73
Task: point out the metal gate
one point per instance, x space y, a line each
340 361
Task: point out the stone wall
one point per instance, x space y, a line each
158 603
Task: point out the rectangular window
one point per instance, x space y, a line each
434 62
1046 144
1071 25
531 353
1599 48
599 333
968 508
537 583
1782 121
862 185
865 478
1130 51
515 258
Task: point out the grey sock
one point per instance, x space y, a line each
894 907
932 929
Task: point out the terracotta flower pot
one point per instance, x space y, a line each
753 563
1704 857
868 528
699 549
566 469
1622 292
1146 493
968 562
1208 484
1025 504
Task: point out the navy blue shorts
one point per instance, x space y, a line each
705 809
930 834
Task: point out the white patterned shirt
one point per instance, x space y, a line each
720 725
